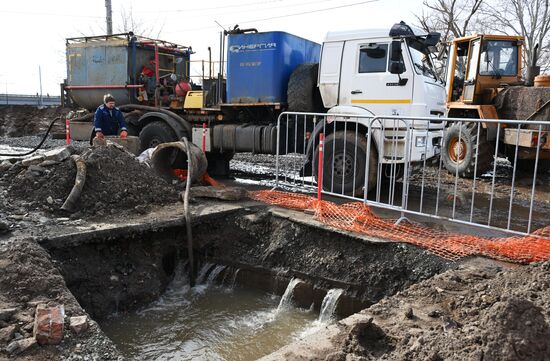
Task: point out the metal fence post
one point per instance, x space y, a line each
67 131
204 137
277 153
320 168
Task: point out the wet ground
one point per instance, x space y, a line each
431 191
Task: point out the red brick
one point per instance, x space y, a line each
48 324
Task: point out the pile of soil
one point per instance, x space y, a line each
464 314
520 102
116 183
22 120
29 277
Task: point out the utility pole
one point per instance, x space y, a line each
109 17
40 101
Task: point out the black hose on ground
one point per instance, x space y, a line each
35 148
188 214
70 203
184 122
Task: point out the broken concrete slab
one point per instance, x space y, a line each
78 324
7 333
59 154
130 144
36 159
21 346
226 193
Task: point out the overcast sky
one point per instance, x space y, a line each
34 31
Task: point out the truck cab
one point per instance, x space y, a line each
356 75
385 72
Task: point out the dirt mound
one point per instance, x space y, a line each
464 314
29 277
519 102
116 183
22 120
515 329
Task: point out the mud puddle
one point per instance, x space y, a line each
215 320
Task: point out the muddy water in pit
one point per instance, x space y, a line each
209 322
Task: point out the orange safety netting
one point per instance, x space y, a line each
181 174
358 217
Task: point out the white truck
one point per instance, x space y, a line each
382 72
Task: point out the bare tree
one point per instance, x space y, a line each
138 26
452 18
529 18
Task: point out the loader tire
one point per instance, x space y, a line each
460 157
341 180
156 133
302 93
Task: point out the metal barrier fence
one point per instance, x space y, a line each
396 159
23 99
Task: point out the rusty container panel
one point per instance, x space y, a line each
96 65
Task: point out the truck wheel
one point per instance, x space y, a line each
461 154
302 93
155 133
341 180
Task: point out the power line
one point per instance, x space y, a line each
211 8
309 12
258 9
277 17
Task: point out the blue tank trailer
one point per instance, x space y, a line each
151 82
259 65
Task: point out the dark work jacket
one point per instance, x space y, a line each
109 121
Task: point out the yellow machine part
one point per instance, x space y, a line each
193 99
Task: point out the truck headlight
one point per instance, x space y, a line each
420 142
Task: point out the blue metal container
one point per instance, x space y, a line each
259 65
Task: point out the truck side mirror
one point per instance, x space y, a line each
395 55
396 58
397 68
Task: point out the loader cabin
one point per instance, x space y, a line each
479 65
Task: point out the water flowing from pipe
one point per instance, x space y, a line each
286 300
329 305
214 274
234 280
203 271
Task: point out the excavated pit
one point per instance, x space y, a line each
119 275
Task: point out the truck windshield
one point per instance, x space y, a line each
422 63
499 58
